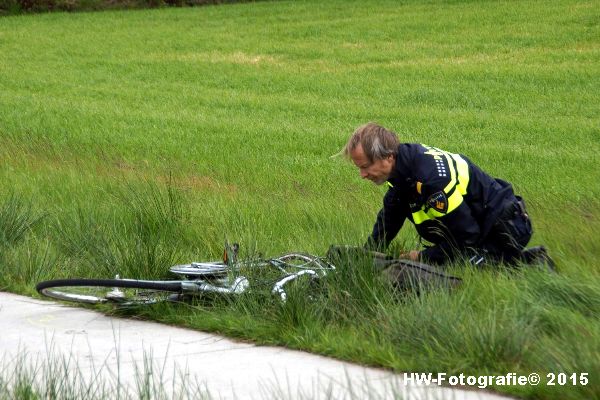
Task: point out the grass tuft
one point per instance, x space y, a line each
17 218
138 240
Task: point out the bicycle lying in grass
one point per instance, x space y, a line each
223 277
233 277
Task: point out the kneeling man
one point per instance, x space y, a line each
455 206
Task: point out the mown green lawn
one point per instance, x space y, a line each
147 138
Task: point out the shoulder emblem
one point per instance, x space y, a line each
438 201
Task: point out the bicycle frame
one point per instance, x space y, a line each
221 277
210 276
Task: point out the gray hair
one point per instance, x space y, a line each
378 143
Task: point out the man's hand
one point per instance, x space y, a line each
413 255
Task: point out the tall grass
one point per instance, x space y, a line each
17 218
30 375
27 376
23 261
137 242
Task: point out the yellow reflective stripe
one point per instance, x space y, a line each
420 217
389 184
459 178
454 201
434 213
463 173
436 153
452 182
462 168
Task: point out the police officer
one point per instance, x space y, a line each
455 206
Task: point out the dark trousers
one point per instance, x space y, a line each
510 234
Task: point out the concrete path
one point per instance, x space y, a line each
126 351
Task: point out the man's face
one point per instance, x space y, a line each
377 171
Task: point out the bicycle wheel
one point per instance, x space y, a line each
118 291
197 270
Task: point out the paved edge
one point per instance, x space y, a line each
126 351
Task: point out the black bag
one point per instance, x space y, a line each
403 274
416 276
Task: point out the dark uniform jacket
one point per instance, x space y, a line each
451 201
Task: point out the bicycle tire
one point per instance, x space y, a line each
94 291
197 270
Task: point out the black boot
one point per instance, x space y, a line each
538 255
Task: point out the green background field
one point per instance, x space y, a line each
146 138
